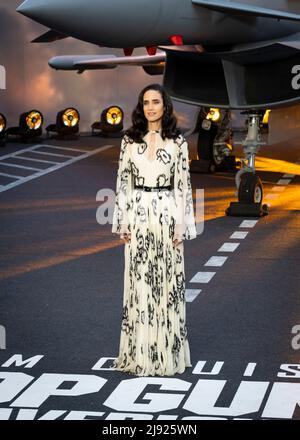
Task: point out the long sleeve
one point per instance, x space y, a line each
121 215
185 228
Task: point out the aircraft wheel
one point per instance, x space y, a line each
250 188
208 151
217 158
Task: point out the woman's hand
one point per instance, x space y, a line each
176 242
126 238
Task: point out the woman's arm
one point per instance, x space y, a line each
120 223
185 227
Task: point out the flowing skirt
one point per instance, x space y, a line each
153 337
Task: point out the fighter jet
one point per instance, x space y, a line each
212 53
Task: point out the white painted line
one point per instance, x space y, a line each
51 154
239 234
271 196
278 188
216 261
248 223
53 168
283 182
34 160
14 165
191 294
56 147
250 369
18 152
228 247
11 175
202 277
290 176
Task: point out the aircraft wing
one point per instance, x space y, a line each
88 62
245 8
49 37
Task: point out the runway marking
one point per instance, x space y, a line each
248 223
56 147
47 153
280 186
239 234
35 160
283 182
250 369
191 294
202 277
41 172
216 261
7 164
10 175
228 247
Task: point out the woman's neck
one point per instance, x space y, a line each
154 126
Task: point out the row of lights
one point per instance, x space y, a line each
214 115
67 124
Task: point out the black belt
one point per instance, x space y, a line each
153 188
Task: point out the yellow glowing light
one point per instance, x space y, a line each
2 123
114 115
266 117
213 114
274 165
70 117
34 120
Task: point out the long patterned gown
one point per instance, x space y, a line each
153 337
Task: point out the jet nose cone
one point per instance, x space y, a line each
35 9
26 7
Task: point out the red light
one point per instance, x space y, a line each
128 51
177 40
151 50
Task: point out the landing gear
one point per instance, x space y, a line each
213 146
249 185
250 189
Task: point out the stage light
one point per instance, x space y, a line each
213 114
33 120
114 115
70 117
67 123
2 129
30 125
265 120
111 121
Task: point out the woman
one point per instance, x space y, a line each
153 215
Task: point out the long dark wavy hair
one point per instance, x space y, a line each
140 124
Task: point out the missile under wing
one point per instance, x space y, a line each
88 62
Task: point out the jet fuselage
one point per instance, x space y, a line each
137 23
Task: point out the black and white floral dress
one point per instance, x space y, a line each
153 332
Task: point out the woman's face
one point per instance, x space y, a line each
153 106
